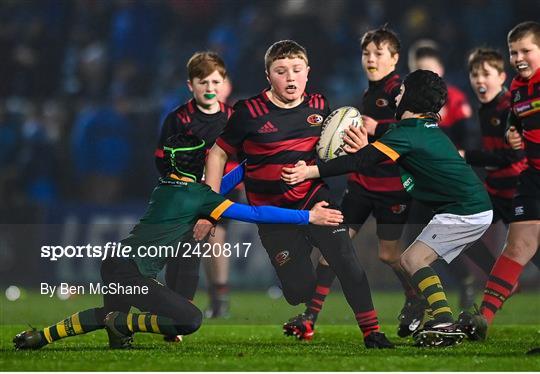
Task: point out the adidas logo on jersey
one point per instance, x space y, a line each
267 128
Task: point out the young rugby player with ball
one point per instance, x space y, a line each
463 209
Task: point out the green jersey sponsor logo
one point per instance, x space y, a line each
408 181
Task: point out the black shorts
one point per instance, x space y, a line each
502 209
390 210
526 203
289 248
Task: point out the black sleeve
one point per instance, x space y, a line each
168 129
513 120
501 158
367 156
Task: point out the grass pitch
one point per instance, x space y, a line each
251 340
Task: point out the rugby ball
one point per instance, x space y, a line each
331 142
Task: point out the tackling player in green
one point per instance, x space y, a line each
433 172
175 205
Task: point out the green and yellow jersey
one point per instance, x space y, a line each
174 207
431 169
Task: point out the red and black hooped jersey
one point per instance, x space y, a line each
189 117
503 164
379 103
272 138
525 115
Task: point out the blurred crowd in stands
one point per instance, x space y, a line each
85 83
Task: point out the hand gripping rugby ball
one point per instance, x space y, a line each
331 142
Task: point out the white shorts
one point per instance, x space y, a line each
449 234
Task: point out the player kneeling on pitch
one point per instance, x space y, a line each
175 205
433 172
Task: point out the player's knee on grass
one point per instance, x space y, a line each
188 324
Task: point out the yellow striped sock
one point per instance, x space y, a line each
431 287
47 334
142 322
129 321
154 324
61 329
76 324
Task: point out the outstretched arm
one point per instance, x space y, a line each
318 215
365 157
498 159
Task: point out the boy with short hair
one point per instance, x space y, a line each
463 209
204 116
174 207
376 190
503 164
275 129
523 129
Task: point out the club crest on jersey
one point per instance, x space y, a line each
381 103
398 208
282 258
315 120
517 97
495 121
